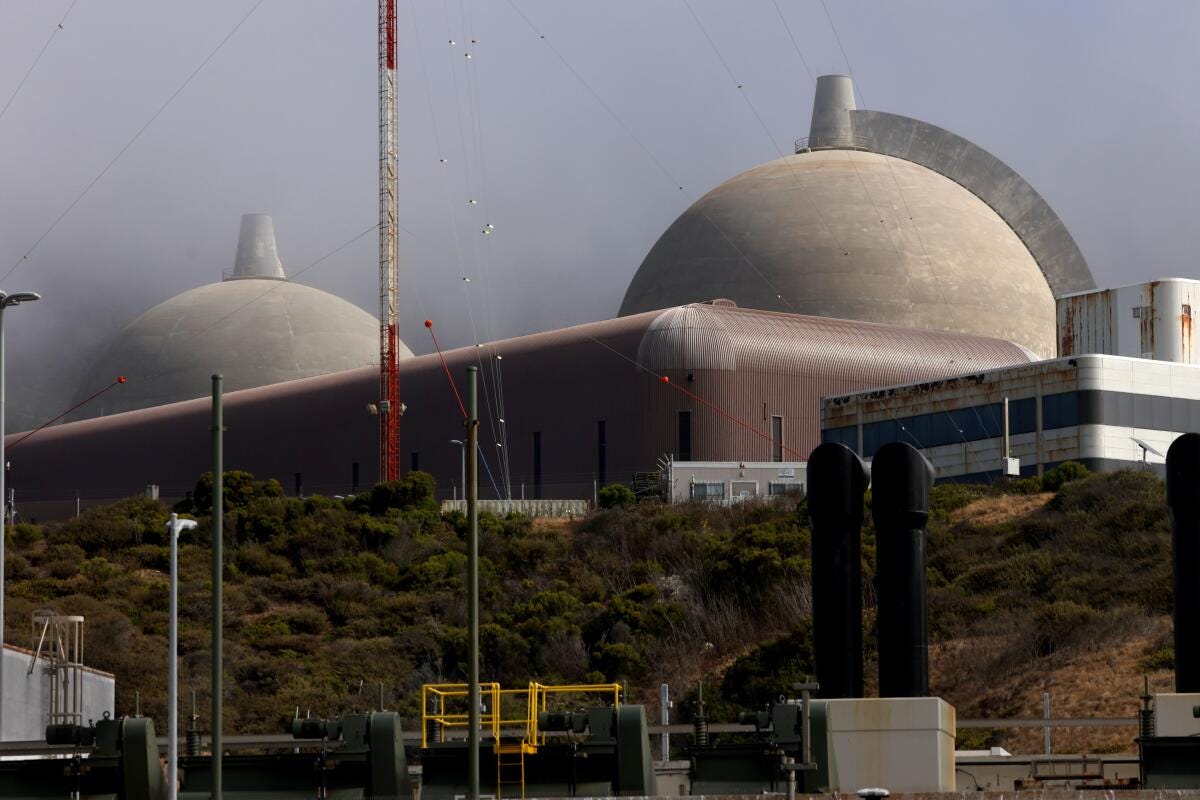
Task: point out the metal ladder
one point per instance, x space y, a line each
510 771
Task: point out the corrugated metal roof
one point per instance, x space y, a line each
702 336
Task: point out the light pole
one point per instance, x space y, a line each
174 526
463 461
6 300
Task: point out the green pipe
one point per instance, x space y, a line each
473 587
218 535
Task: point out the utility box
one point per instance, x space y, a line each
902 744
1011 467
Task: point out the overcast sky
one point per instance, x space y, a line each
576 165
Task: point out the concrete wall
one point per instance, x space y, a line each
27 696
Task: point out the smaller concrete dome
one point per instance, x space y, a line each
255 329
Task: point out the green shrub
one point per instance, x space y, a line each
1065 472
619 662
1059 626
415 490
24 535
1158 659
616 495
256 559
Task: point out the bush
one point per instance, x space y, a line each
616 495
415 490
1065 472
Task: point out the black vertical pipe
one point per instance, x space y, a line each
1183 498
837 480
900 483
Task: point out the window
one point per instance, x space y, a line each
685 436
708 490
354 477
416 460
1060 410
777 438
743 489
537 465
775 489
847 436
601 453
1022 415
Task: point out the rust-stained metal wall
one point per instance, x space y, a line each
1147 320
732 368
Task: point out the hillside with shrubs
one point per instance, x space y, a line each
1060 585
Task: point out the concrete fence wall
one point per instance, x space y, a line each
530 508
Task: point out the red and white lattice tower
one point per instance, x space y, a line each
389 390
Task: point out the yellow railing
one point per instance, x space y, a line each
440 704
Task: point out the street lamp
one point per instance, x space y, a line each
463 461
174 526
6 300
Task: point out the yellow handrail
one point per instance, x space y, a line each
492 718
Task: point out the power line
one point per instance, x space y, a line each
795 44
838 39
770 137
41 53
25 256
596 95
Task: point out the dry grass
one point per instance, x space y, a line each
994 510
1101 682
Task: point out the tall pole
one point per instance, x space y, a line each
472 482
174 526
3 488
218 535
389 389
6 300
173 665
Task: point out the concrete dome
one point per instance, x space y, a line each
872 220
827 233
255 328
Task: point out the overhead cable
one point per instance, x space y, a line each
37 59
212 54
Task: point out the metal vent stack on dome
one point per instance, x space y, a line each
879 218
256 328
257 256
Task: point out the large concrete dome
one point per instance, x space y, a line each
842 229
255 328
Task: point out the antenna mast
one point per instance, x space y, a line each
389 390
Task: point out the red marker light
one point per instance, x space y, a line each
666 379
428 323
120 379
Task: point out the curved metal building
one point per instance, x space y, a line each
583 405
877 217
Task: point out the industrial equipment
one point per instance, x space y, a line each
114 757
781 746
534 740
359 757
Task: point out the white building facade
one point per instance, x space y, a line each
27 694
1094 409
